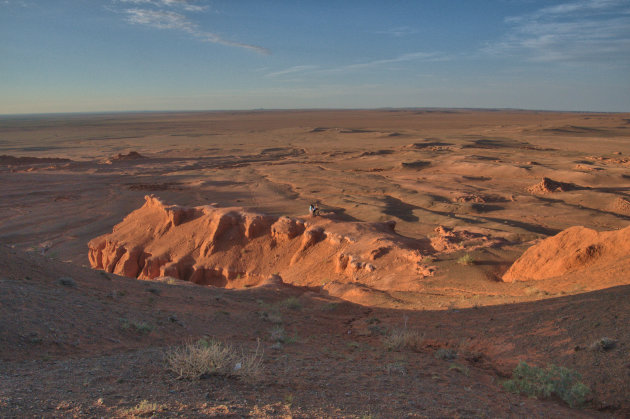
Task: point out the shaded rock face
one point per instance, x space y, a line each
576 249
230 247
132 155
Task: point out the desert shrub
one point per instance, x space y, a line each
201 358
375 329
66 281
428 260
125 324
136 326
279 335
466 260
142 327
249 366
603 344
459 368
330 306
293 303
398 339
273 312
206 357
545 382
143 409
395 368
446 354
272 316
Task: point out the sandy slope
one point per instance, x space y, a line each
487 184
75 350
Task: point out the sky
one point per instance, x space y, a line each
144 55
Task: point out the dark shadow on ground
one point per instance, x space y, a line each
397 208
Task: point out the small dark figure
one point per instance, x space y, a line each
314 210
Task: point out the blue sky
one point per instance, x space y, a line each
117 55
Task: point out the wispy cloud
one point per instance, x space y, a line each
398 32
579 31
291 70
160 19
581 6
412 56
20 3
170 14
314 69
183 4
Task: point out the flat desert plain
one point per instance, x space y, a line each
449 246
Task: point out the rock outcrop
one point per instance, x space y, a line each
547 185
574 250
132 155
621 206
448 240
230 247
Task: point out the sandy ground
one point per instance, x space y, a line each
67 179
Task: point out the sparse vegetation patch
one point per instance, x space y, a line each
545 382
136 326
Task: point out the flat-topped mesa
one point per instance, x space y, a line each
231 247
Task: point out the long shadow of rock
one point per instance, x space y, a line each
397 208
403 209
578 207
533 228
337 213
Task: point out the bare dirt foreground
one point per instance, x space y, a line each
401 300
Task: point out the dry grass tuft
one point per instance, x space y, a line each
404 338
249 367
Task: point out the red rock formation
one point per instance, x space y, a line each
621 206
547 185
448 240
574 250
230 247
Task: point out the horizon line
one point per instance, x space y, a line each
383 108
